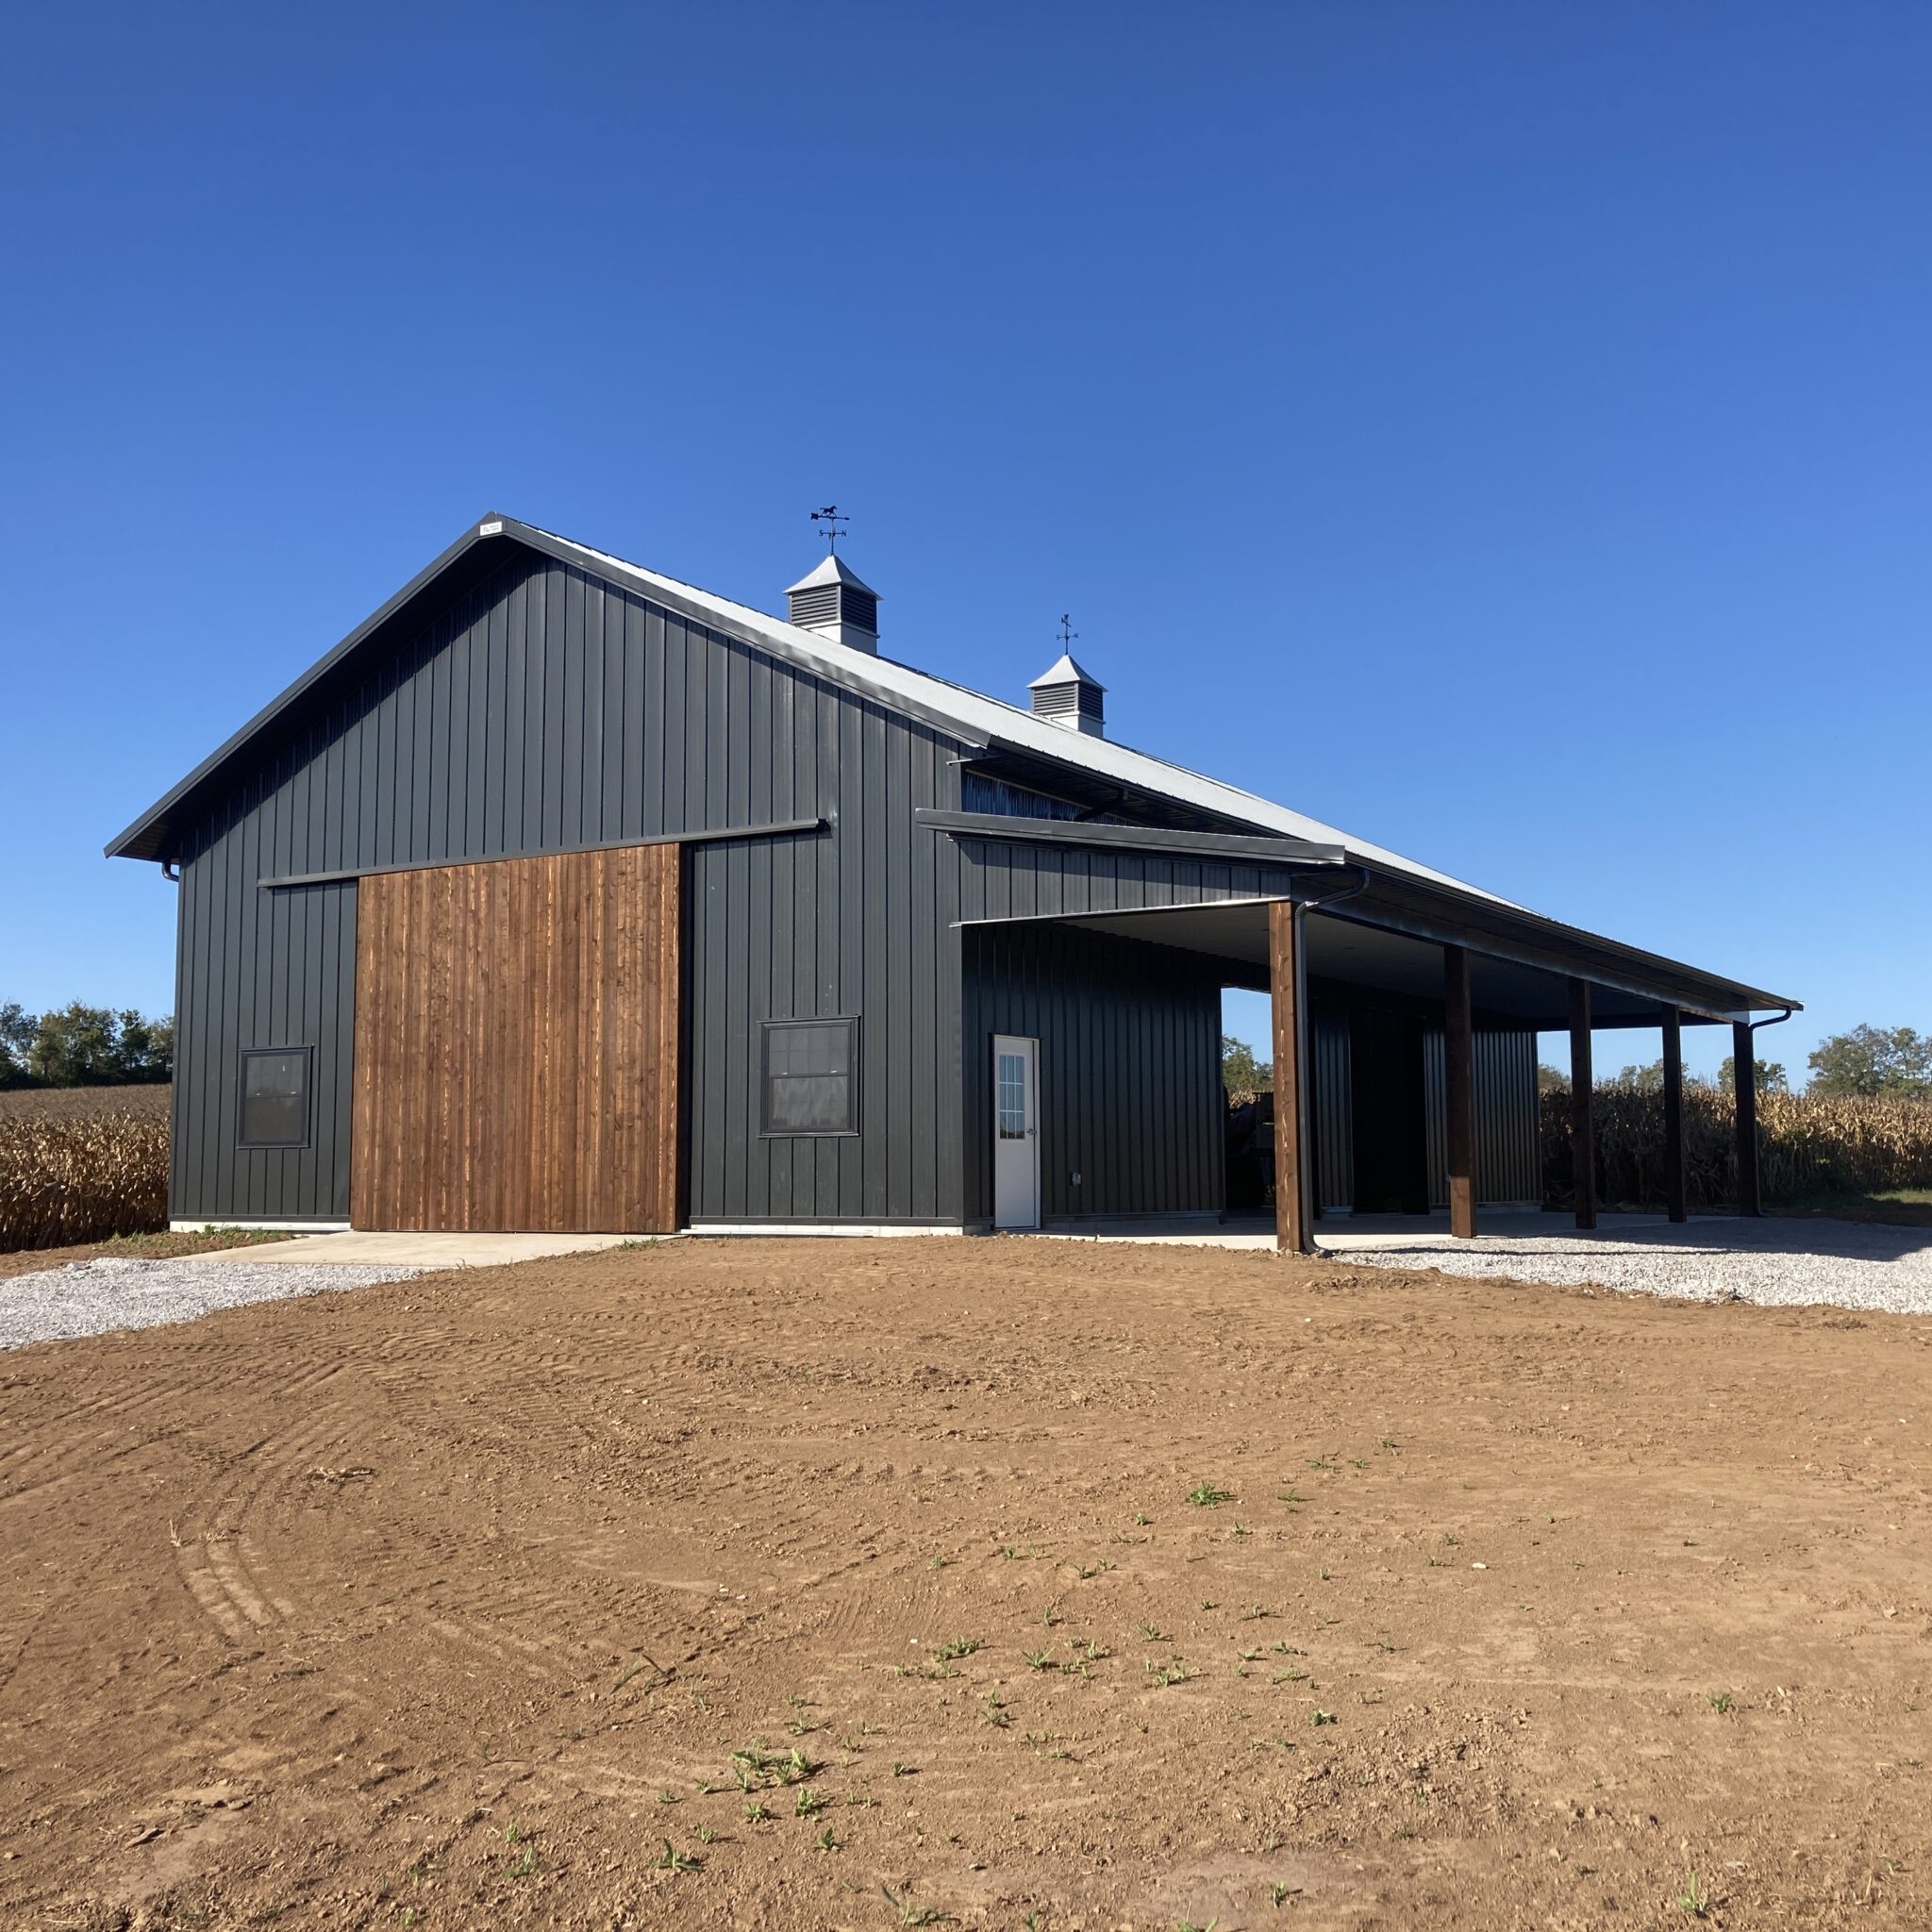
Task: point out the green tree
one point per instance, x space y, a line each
1648 1079
147 1048
1241 1072
17 1027
1551 1079
1893 1062
1769 1075
78 1046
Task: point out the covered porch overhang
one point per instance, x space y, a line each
1325 925
1347 951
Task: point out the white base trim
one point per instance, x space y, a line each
818 1227
202 1221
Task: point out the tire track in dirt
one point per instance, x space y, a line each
93 1433
223 1565
234 1567
744 1462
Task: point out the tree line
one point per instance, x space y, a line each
1877 1062
1869 1062
78 1046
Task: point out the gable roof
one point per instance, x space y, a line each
994 722
937 701
986 723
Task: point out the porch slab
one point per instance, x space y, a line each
1344 1235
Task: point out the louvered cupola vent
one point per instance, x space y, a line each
834 602
1069 697
820 606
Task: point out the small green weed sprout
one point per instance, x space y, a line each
911 1914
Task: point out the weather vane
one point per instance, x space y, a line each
831 518
1066 633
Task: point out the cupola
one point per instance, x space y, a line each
1070 697
834 601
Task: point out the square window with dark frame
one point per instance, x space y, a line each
811 1076
275 1097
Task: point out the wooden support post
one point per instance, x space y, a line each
1674 1204
1744 1076
1288 988
1458 1068
1582 1084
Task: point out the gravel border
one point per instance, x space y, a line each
94 1297
1774 1262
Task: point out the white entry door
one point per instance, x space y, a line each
1015 1132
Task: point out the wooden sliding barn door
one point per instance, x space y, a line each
517 1044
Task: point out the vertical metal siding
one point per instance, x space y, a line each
1334 1113
1130 1091
1508 1162
544 710
1005 879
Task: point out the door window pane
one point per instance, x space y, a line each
1012 1096
275 1097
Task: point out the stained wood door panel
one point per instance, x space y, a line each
517 1044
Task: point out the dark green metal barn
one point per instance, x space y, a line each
560 894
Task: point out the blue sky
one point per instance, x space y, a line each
1501 430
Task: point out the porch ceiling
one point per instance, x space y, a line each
1357 956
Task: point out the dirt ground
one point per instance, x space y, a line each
994 1583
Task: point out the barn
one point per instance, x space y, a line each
562 895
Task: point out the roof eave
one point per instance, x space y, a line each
1607 961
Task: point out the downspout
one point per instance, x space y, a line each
1746 1092
1777 1019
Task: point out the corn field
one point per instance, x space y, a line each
1808 1147
81 1176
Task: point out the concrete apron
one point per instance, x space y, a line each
423 1250
1336 1236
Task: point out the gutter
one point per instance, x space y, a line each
1359 884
